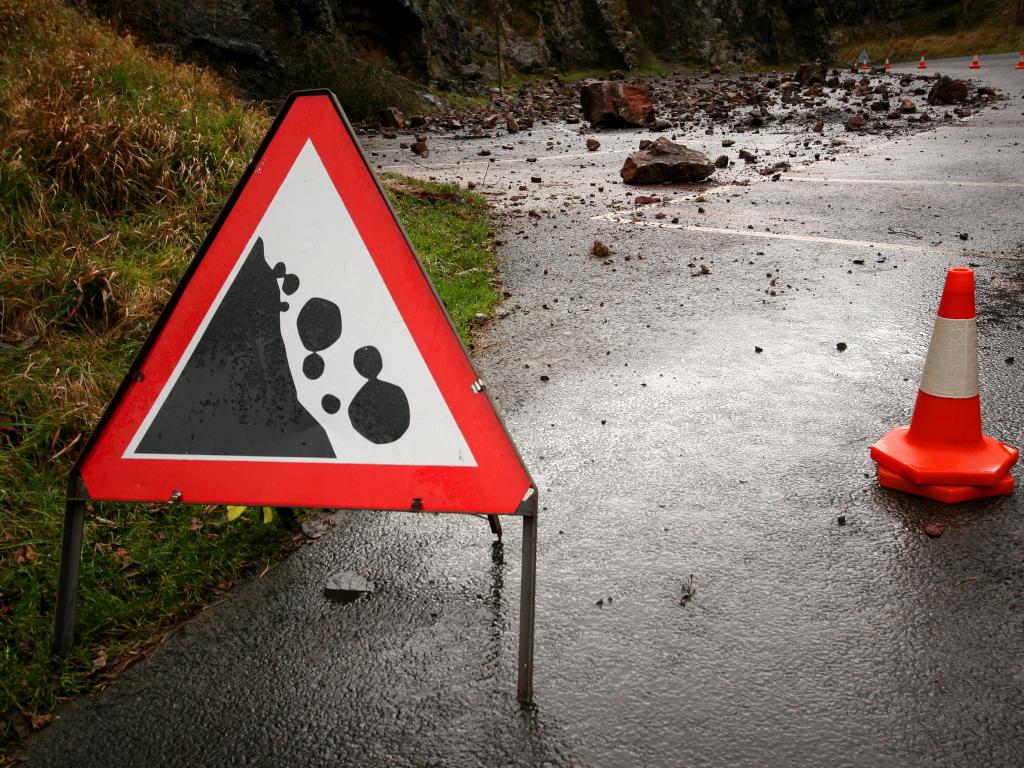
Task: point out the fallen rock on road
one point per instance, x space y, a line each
664 161
948 91
613 104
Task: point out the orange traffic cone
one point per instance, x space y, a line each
864 66
976 64
943 453
921 64
887 64
1020 64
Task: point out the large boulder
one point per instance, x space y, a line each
665 161
948 91
614 104
808 74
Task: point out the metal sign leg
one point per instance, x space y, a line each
527 606
70 560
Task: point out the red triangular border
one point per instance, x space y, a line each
497 485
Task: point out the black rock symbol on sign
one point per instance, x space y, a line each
380 410
319 326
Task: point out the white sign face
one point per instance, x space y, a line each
351 362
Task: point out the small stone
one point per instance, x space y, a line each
856 123
841 519
1009 360
758 350
964 235
934 530
600 602
841 346
722 161
346 586
593 145
535 179
420 148
545 377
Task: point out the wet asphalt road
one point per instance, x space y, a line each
664 446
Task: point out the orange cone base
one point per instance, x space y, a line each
947 493
975 65
984 462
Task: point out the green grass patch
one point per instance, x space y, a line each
113 166
451 230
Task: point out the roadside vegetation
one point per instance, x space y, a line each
955 29
113 165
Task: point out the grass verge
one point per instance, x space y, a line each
113 165
939 33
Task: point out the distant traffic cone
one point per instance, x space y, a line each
921 64
888 66
943 453
864 66
1020 64
976 64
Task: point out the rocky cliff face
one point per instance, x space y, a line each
450 41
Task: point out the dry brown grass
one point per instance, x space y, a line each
112 165
938 36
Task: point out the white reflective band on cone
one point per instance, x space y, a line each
951 369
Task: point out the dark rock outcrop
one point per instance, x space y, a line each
272 46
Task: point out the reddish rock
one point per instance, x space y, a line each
593 144
392 118
948 91
665 161
856 123
511 124
808 74
616 104
420 148
907 106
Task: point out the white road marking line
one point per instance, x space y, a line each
906 182
876 244
503 161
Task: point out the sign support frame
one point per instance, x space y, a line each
71 557
70 563
527 599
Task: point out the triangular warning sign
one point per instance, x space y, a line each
305 359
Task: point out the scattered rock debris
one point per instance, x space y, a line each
934 530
